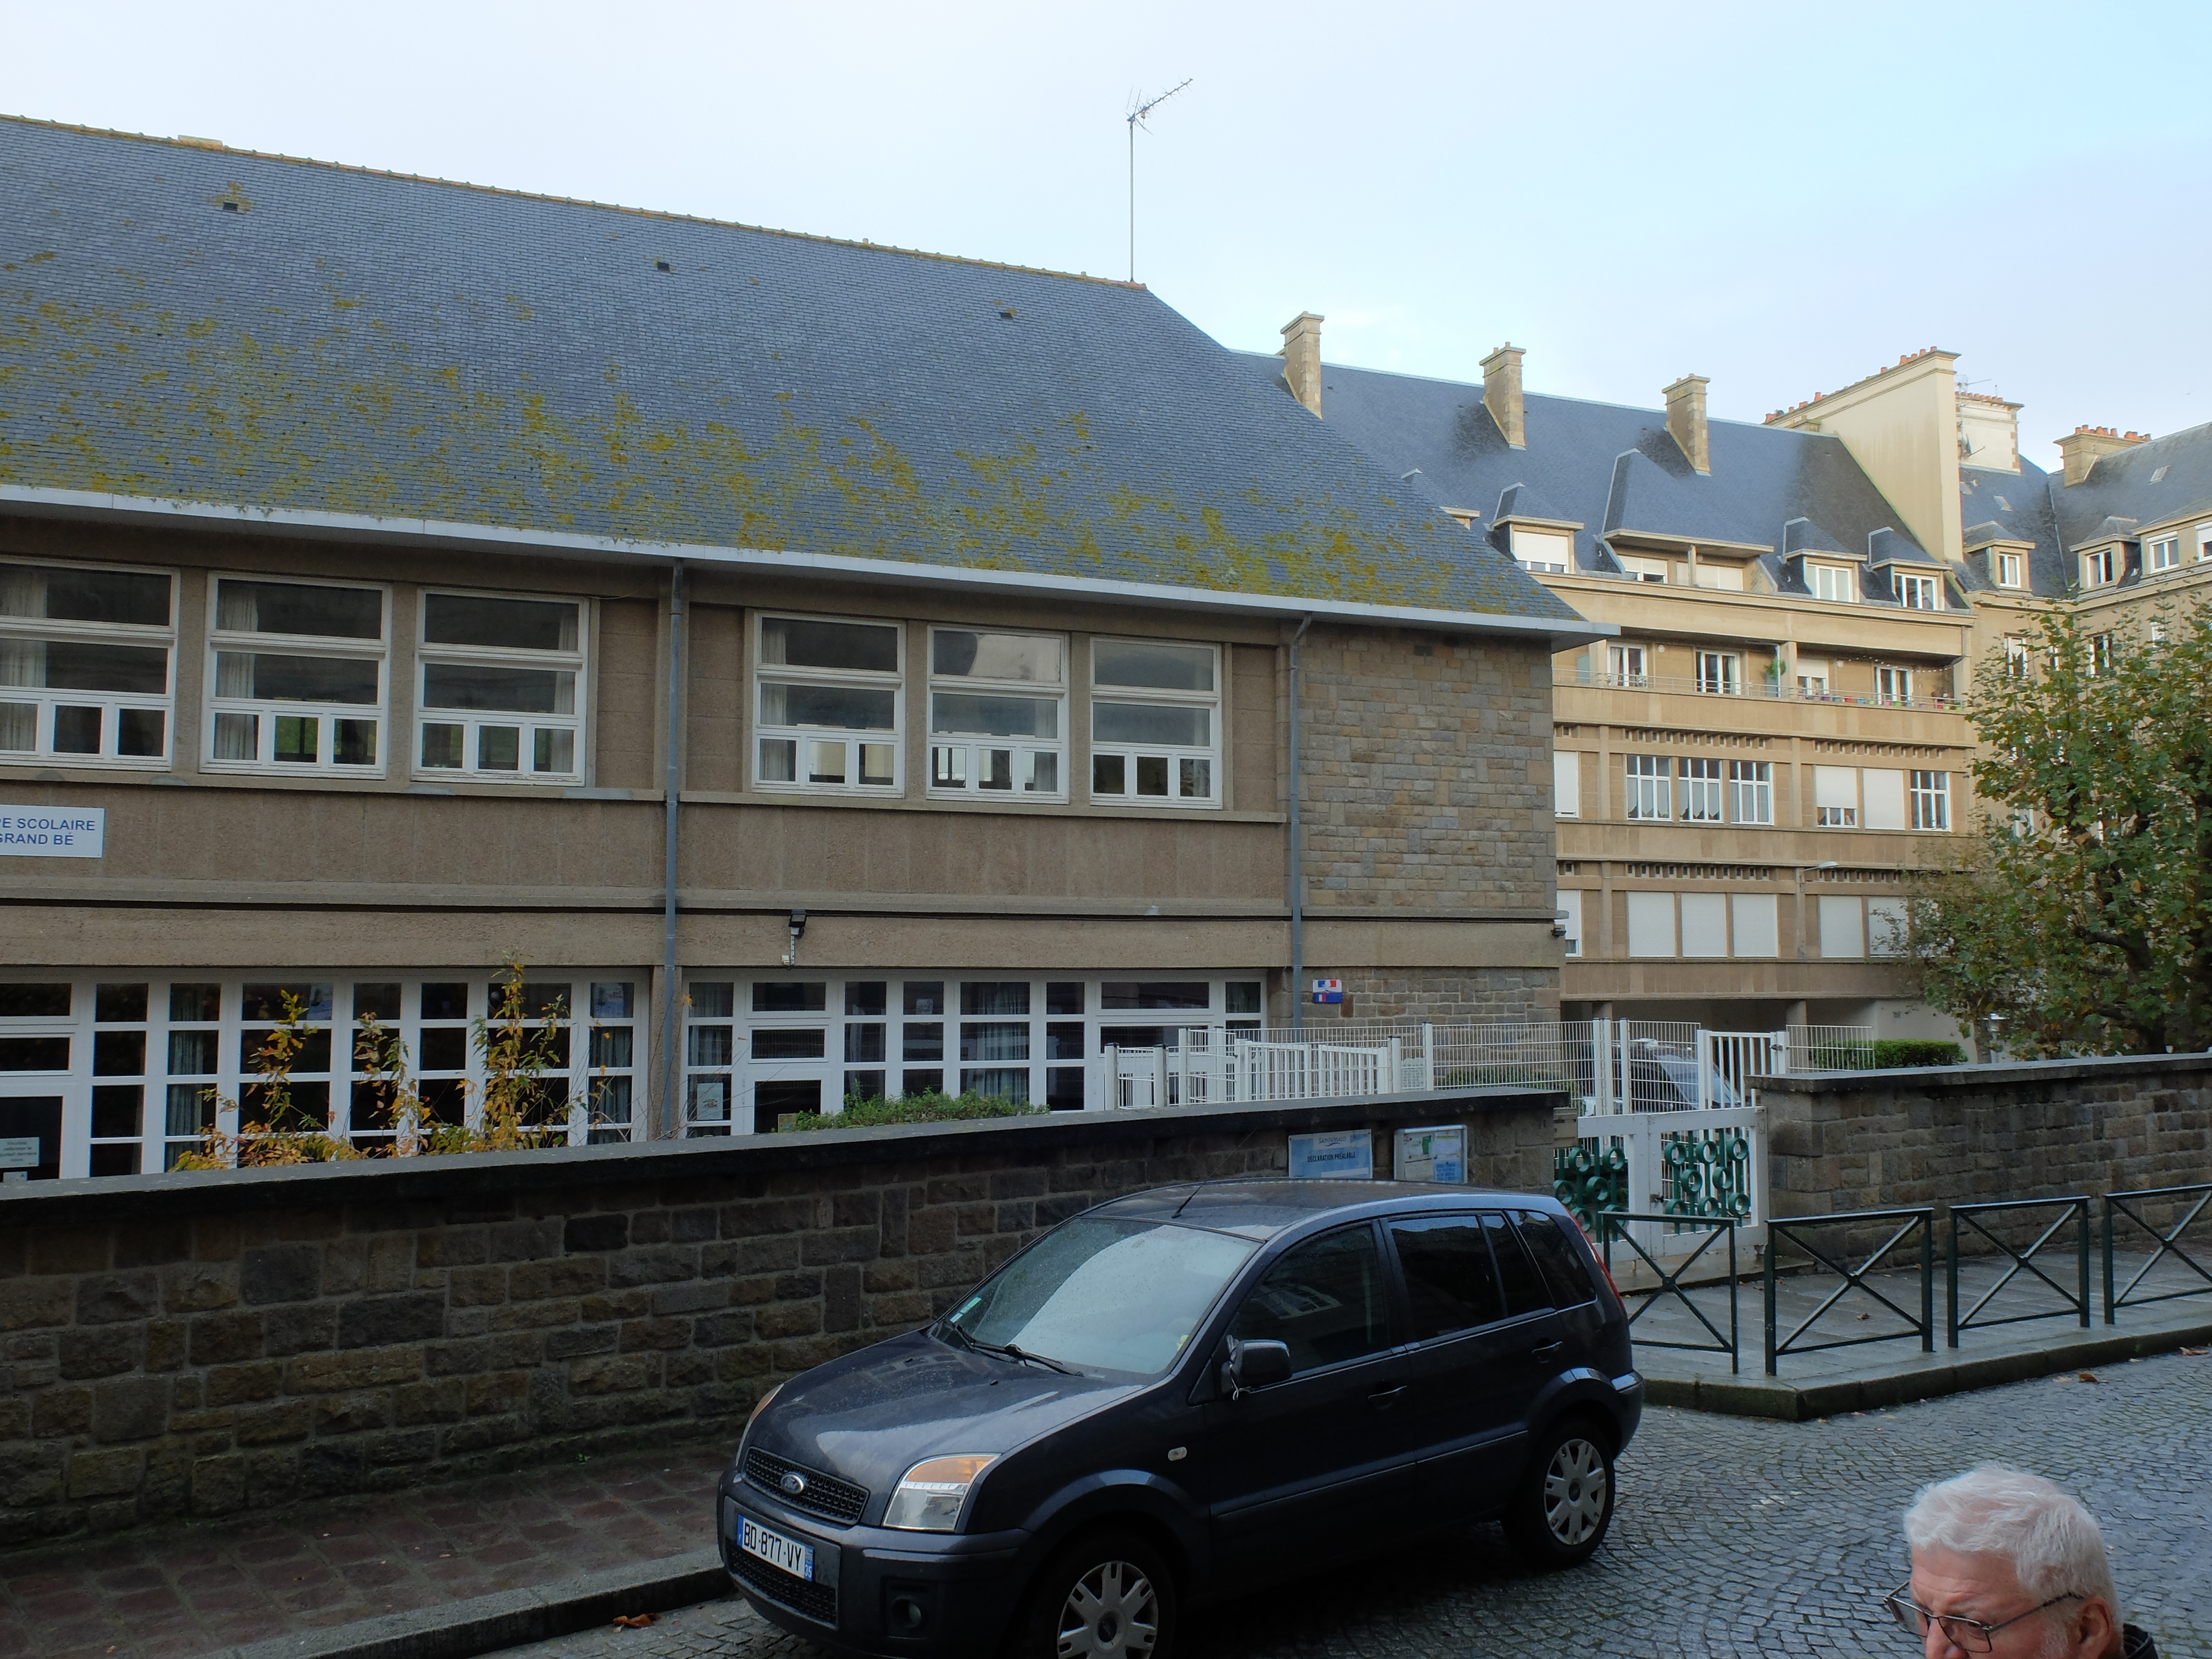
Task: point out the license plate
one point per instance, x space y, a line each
773 1547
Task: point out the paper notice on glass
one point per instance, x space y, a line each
1438 1154
1336 1154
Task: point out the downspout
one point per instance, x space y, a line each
670 1074
1295 882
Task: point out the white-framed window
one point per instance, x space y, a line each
1918 592
1721 673
501 691
1931 801
1155 722
1651 924
1750 789
1551 550
297 676
1811 677
1629 664
2162 553
1566 784
2203 543
2015 657
1843 928
1703 789
1752 918
1650 790
1570 913
1836 797
998 714
2009 570
1720 578
1839 582
1643 570
1881 798
1704 924
86 671
828 697
2099 568
1892 684
2101 654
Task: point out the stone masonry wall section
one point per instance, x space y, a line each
1861 1141
206 1344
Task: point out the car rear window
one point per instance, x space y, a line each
1562 1265
1525 1289
1450 1282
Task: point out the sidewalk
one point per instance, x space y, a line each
197 1587
1813 1381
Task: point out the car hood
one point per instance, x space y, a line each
870 1416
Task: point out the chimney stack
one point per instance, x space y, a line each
2085 446
1301 356
1501 394
1686 419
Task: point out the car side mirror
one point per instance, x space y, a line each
1254 1365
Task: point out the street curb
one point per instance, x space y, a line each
1793 1403
484 1623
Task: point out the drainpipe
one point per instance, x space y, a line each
671 1072
1296 881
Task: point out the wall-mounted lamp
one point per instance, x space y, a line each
798 932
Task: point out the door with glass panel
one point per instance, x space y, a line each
788 1065
39 1061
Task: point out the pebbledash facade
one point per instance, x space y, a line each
377 554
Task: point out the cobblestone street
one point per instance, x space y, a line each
1735 1537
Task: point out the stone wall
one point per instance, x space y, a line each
206 1344
1453 997
1861 1141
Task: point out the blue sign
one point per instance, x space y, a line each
1329 990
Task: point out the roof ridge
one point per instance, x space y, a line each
216 148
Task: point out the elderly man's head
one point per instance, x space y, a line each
2005 1563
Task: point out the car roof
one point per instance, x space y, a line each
1261 1209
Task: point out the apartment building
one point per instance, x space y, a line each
397 578
1746 771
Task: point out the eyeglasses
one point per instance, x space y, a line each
1969 1635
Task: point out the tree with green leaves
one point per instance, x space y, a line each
2083 921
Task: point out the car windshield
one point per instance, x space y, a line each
1117 1296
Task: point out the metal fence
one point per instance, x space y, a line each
2178 1209
1759 687
1907 1226
1982 1223
1672 1274
1829 1047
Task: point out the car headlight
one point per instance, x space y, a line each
931 1493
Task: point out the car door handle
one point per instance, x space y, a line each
1546 1351
1386 1399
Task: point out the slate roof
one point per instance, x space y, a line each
1618 470
213 325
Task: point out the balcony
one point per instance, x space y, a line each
1760 691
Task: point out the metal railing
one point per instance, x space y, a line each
1974 1219
1760 690
1914 1222
2128 1206
1614 1224
1831 1048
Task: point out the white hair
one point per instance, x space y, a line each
2052 1542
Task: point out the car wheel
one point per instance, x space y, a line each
1560 1511
1107 1595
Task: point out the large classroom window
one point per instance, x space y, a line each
85 664
827 709
1702 791
1649 787
756 1050
1155 723
297 677
998 714
1750 787
503 687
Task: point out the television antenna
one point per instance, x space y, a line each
1135 118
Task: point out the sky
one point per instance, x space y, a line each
1782 197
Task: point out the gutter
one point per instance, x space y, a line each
1294 880
671 1071
1560 634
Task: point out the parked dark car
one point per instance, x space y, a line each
1182 1394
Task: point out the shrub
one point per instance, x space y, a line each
1892 1052
930 1108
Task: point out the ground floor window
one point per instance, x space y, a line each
758 1049
123 1074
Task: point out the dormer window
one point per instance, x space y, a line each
2008 570
1919 593
1838 582
2099 568
1643 570
1550 551
2163 553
